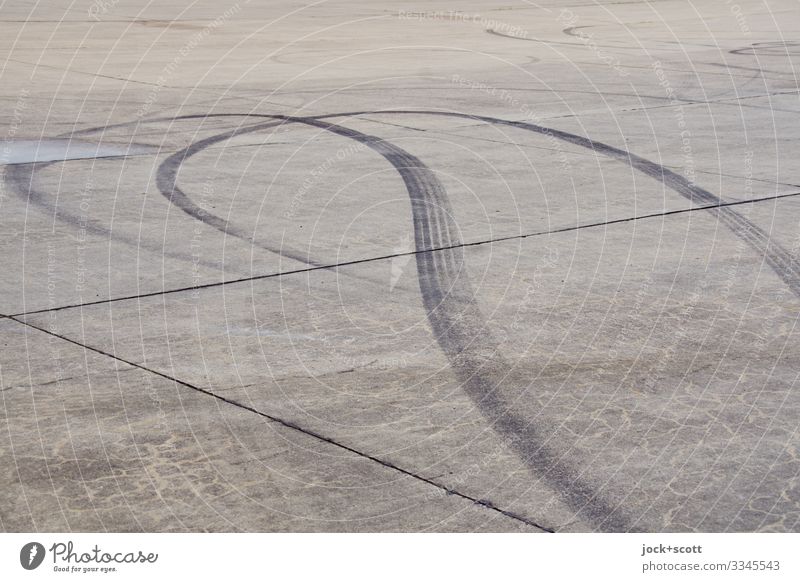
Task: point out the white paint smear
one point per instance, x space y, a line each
25 151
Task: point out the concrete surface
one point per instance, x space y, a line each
355 266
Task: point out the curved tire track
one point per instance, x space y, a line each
782 262
167 182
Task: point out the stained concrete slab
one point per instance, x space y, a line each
28 151
352 257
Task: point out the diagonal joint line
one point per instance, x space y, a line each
296 427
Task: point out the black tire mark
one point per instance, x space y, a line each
561 42
167 183
776 48
782 262
465 338
456 320
758 74
455 317
758 70
21 179
474 355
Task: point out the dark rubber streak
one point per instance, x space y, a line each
293 426
463 335
21 180
456 320
410 253
779 259
511 36
167 181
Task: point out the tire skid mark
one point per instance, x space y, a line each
455 318
782 262
774 48
458 324
542 41
454 315
474 355
759 71
21 179
167 183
